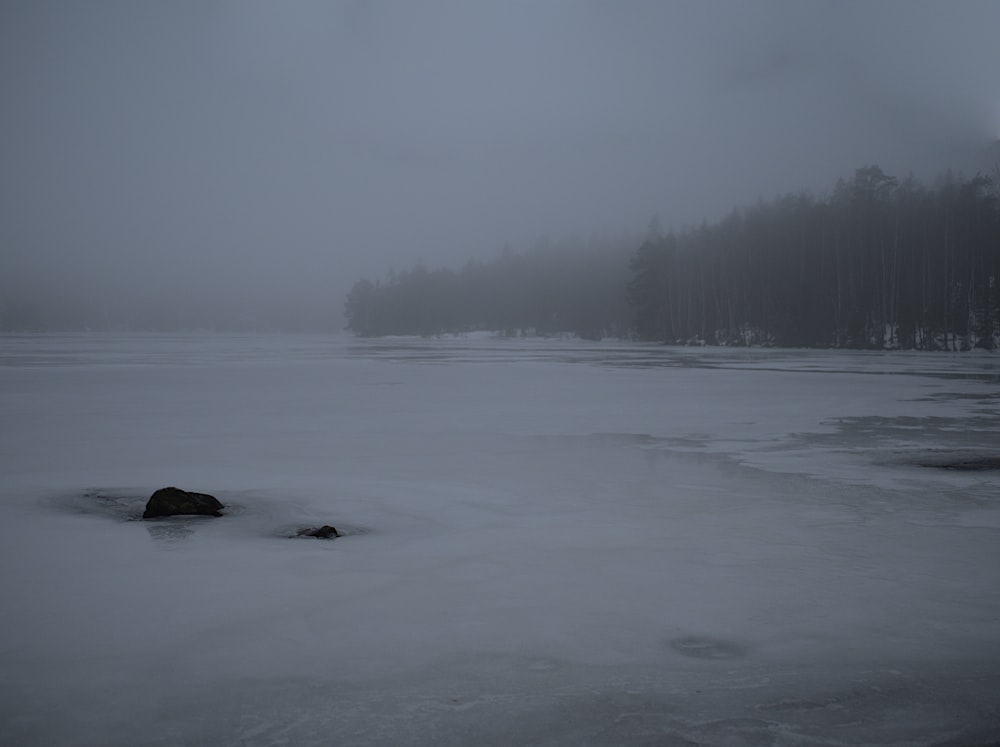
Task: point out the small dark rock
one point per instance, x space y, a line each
174 501
324 532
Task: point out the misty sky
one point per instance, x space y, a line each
278 150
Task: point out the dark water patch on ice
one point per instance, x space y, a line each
122 504
114 503
979 432
969 396
957 460
964 463
128 505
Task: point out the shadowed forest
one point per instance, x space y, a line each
879 263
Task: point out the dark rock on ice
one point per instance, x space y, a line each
174 502
324 532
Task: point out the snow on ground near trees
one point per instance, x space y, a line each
548 542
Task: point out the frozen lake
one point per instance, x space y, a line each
549 543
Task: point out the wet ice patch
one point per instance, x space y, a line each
543 665
170 531
301 531
247 513
982 518
701 647
120 504
964 462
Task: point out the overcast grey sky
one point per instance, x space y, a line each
251 149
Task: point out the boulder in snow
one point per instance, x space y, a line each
174 501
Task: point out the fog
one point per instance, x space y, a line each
247 161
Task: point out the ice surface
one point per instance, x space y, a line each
549 542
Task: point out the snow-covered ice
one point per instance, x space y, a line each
549 542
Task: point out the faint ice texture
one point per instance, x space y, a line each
553 542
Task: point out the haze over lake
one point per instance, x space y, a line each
238 165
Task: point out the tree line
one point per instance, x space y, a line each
878 263
573 286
